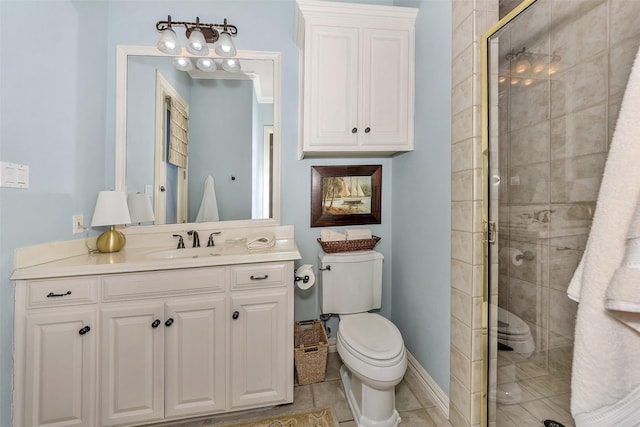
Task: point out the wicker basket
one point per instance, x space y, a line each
311 347
349 245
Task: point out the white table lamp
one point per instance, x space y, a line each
111 210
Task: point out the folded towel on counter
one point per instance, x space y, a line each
261 241
332 236
358 233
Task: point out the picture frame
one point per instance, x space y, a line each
346 195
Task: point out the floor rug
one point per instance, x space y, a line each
322 417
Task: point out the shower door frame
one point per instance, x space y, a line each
490 230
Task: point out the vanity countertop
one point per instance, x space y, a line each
150 259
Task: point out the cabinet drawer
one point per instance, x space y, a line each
55 292
258 275
163 283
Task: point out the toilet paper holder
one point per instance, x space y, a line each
305 278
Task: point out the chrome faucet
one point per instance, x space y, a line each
196 238
180 241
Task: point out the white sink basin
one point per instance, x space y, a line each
185 253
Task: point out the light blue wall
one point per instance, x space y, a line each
421 185
52 118
57 115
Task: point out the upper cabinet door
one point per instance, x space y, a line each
387 103
331 95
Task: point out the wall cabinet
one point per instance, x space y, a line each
357 78
134 348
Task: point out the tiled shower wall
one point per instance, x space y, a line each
551 201
471 18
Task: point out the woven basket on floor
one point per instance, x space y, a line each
349 245
311 347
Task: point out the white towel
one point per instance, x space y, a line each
606 379
261 241
328 235
358 233
208 211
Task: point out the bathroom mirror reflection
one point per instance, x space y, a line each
204 146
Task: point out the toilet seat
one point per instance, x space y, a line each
511 325
372 347
371 336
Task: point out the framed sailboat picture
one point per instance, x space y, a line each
345 195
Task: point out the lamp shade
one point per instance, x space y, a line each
183 64
168 42
196 44
224 46
111 209
140 208
231 65
206 64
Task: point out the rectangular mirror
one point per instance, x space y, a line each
203 146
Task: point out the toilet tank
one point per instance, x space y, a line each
350 282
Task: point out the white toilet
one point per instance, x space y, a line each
370 346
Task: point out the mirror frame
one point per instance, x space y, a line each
122 54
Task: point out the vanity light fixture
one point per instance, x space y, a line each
198 34
524 63
111 210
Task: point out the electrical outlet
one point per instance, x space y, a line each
78 223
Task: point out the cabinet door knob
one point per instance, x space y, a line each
169 321
155 323
235 315
367 130
354 130
84 330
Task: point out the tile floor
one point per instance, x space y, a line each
543 395
415 407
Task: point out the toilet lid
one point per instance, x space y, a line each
510 324
371 335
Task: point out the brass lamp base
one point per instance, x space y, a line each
111 240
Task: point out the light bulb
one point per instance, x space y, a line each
224 46
502 79
197 45
527 82
168 42
522 65
206 64
538 66
231 65
554 66
182 64
514 81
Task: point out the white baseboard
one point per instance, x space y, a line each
431 388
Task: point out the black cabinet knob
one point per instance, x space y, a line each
155 323
162 189
84 330
169 321
354 130
367 130
235 315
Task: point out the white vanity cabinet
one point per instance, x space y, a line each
140 347
357 78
